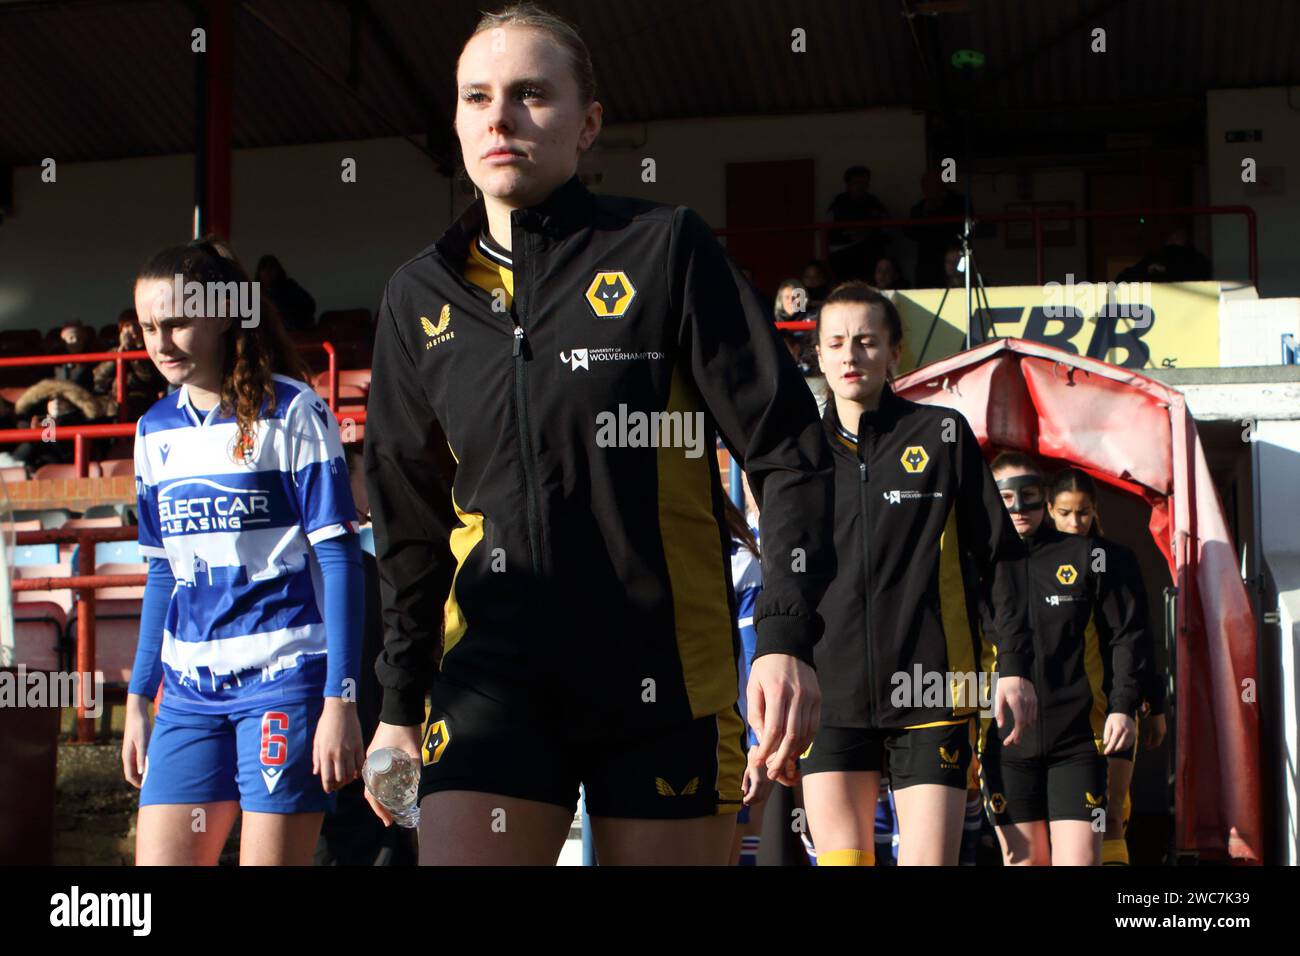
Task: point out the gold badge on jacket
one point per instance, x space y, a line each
1066 574
914 459
610 294
440 332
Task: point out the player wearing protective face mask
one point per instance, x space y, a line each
1047 798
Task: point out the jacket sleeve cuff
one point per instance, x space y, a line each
1015 665
787 634
403 708
1124 704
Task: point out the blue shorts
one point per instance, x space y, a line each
261 757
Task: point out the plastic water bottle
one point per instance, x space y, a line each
393 777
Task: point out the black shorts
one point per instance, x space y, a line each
475 742
935 755
1021 790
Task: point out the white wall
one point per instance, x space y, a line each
1268 110
691 155
72 246
1277 459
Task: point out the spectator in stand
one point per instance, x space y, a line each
888 276
854 251
297 307
1176 261
816 281
76 337
143 382
933 241
54 403
791 305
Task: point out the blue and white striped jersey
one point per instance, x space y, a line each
245 624
747 582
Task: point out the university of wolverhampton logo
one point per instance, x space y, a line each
436 739
1066 574
914 459
437 333
610 294
664 789
575 359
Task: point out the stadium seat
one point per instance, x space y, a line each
126 592
108 511
46 518
117 631
12 527
21 342
107 521
62 597
38 631
114 467
26 555
119 552
348 394
344 323
54 470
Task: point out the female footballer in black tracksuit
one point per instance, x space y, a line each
549 379
1072 506
1047 798
922 543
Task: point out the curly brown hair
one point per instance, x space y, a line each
252 353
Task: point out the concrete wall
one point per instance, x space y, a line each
1275 111
72 246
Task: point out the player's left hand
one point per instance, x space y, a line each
1118 734
338 753
755 786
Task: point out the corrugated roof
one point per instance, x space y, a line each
100 79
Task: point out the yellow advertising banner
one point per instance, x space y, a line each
1135 325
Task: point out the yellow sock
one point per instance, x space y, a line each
846 858
1113 853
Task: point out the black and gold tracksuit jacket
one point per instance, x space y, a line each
532 499
1088 614
925 549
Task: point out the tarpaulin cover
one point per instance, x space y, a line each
1136 434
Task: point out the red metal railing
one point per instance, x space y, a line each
1035 217
85 582
80 358
79 434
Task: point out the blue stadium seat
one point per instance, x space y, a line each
26 555
118 552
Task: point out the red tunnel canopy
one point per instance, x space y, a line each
1136 434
